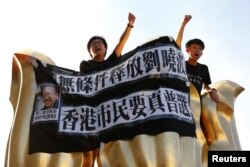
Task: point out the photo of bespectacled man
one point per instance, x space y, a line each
46 103
49 94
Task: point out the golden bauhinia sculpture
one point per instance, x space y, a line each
165 148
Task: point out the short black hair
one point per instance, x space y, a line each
195 41
94 38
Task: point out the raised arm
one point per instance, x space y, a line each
125 35
181 30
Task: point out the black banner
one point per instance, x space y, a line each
146 91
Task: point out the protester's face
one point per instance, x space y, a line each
49 96
97 48
195 51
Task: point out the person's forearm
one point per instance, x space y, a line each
125 35
181 30
180 34
209 88
123 39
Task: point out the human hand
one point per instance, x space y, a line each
187 18
131 19
214 96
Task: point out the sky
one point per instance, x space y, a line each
61 29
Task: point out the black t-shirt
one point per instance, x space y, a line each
198 75
90 66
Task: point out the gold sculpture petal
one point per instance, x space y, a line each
195 105
218 120
165 149
22 97
215 129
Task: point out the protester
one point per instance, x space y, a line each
97 48
198 74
